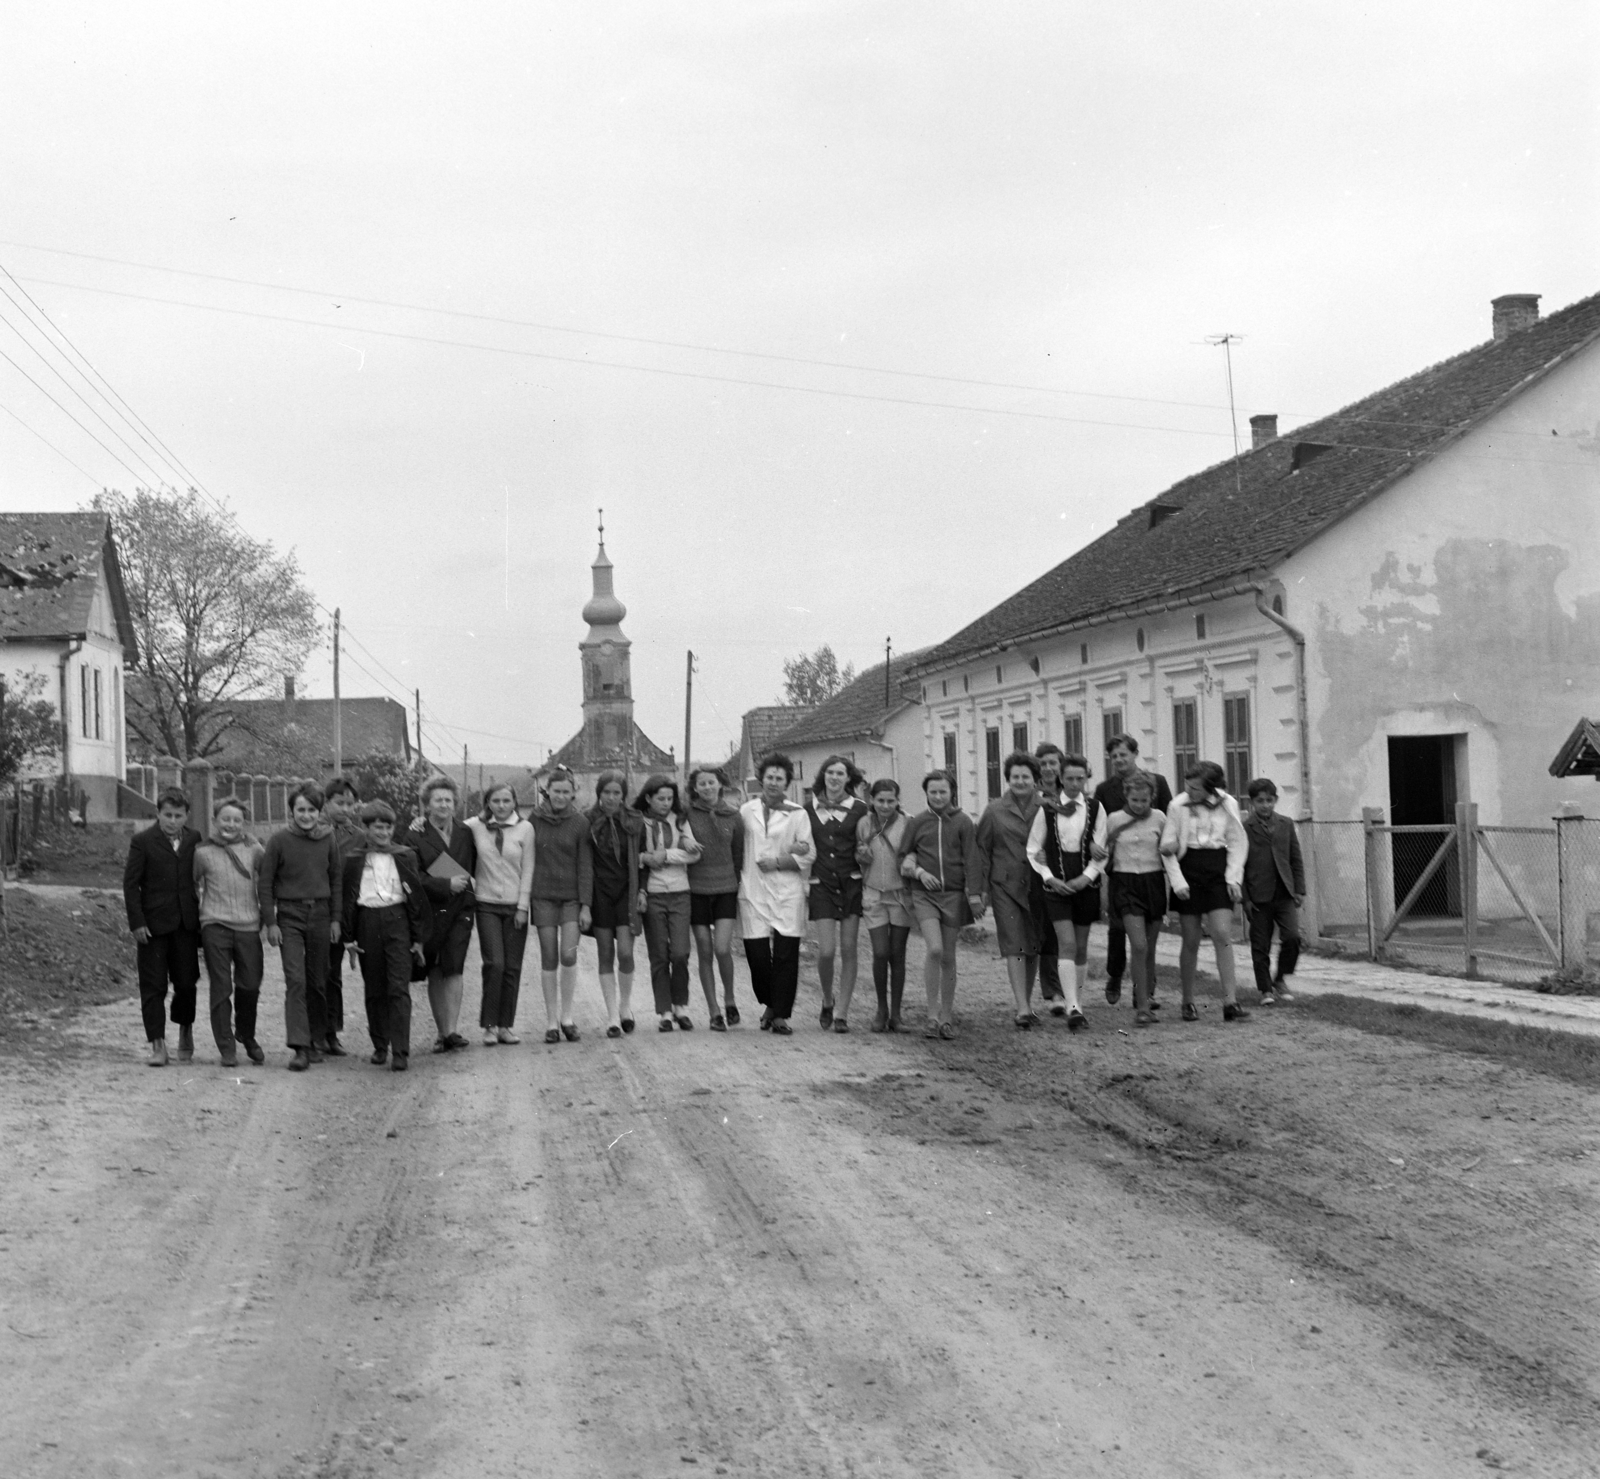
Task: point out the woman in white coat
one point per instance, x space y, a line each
773 884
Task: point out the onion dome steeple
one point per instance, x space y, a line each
603 611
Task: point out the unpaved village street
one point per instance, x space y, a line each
1296 1247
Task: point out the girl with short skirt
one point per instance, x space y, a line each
563 888
615 920
438 835
665 851
714 889
503 877
835 813
1003 840
885 902
1065 845
939 855
1138 884
1204 833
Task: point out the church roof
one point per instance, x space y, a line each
647 754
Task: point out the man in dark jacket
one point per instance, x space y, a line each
164 915
1274 886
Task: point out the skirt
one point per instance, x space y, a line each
447 951
706 909
841 900
947 906
1138 893
1014 927
611 911
1205 871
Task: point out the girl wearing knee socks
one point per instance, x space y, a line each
885 903
614 833
563 889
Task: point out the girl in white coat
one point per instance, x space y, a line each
773 884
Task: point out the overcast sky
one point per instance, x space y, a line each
1029 217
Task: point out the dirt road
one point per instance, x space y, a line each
1288 1248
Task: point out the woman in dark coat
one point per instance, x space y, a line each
449 890
1003 841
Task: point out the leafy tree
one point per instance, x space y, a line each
219 616
382 776
815 678
29 726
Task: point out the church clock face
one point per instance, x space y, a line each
607 648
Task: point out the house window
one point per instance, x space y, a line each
966 683
1200 627
1277 604
99 718
83 698
944 687
991 757
1111 727
950 762
1236 741
1138 639
1185 738
1083 652
1019 738
1072 733
999 673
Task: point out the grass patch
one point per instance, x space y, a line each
1572 1056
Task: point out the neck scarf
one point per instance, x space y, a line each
499 830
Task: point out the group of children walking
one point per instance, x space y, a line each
336 884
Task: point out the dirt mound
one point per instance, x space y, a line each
61 952
86 857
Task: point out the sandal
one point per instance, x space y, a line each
552 1034
732 1014
947 1030
1191 1013
781 1027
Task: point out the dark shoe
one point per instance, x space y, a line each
230 1057
1035 1020
613 1031
402 1061
1265 997
766 1020
1058 1006
158 1053
1155 1006
379 1057
880 1023
894 1022
781 1027
1191 1013
552 1034
840 1025
1144 1019
1076 1021
947 1030
685 1022
1281 992
333 1048
455 1040
664 1025
300 1062
1113 991
627 1024
253 1050
185 1044
1023 1021
825 1016
441 1046
718 1025
732 1014
314 1054
1233 1012
569 1030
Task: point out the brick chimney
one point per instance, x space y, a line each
1514 312
1263 429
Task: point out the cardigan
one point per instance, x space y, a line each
671 835
563 856
878 851
227 895
716 828
946 845
158 882
503 877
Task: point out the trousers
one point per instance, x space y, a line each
304 952
174 958
334 989
1281 913
501 944
383 937
666 938
235 964
774 972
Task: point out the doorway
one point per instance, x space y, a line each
1422 792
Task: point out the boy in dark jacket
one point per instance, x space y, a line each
340 804
1274 886
387 920
301 908
164 915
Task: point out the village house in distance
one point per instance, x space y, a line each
1397 606
610 738
64 615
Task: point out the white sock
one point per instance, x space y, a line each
625 993
569 989
608 989
552 1009
1080 982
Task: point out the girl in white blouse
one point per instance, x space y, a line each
1204 833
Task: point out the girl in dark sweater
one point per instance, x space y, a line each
563 886
835 904
714 888
614 833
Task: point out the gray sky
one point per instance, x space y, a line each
1060 196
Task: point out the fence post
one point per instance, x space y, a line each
1310 910
199 783
1573 914
1467 853
1372 840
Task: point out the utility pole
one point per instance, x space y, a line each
888 654
1227 340
338 717
463 777
688 712
419 724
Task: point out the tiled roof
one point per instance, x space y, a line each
294 737
50 565
646 753
1244 516
760 727
856 709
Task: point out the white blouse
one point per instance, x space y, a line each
1190 826
1069 832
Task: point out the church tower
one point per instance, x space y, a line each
607 675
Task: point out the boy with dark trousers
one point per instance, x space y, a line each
387 921
301 906
341 802
1274 886
164 915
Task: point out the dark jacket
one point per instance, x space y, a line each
158 882
835 864
419 912
1109 793
721 837
604 857
447 906
1003 842
945 845
302 866
1274 858
563 863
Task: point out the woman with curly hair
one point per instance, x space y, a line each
835 812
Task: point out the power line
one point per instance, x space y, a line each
68 414
51 445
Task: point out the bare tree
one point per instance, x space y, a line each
219 616
814 678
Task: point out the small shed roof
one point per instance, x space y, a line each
1581 753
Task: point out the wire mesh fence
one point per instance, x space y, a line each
1337 878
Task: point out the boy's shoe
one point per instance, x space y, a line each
402 1061
252 1050
508 1037
1113 990
186 1043
333 1047
379 1057
1266 998
1233 1012
158 1052
1191 1013
300 1062
230 1057
685 1022
1280 990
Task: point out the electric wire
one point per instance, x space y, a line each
51 445
68 414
